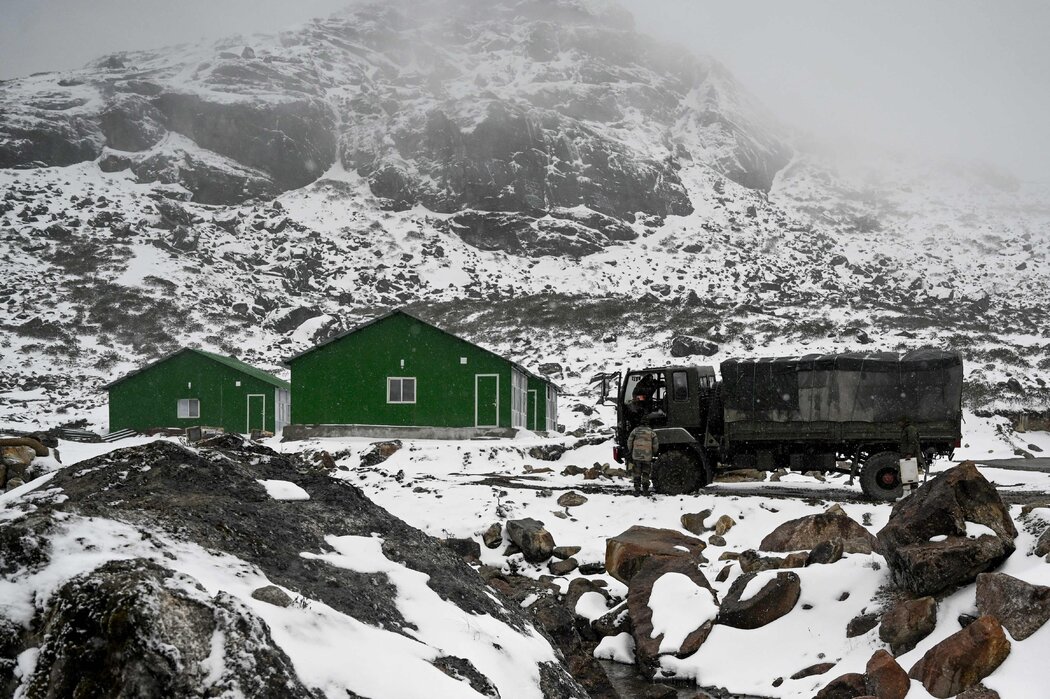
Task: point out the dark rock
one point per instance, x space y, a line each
849 686
592 568
626 553
123 627
614 622
818 669
467 548
688 346
562 567
640 588
907 623
564 552
560 624
941 508
716 540
131 123
535 542
547 452
694 522
571 499
776 598
861 624
380 452
271 594
493 536
963 659
806 533
751 562
884 678
1020 607
460 668
1042 547
825 553
979 691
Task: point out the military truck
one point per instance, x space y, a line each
818 412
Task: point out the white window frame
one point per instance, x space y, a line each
184 412
552 409
519 386
401 379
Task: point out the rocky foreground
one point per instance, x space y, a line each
161 570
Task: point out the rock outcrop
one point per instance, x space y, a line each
947 532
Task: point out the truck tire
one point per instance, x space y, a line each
677 472
880 477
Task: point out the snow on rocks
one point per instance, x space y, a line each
626 553
284 490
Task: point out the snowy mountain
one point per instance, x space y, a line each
532 174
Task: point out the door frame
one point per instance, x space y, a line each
248 411
533 398
477 395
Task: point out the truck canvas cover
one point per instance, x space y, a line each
880 387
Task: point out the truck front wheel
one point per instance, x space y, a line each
677 471
880 477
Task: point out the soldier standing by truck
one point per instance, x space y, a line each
642 444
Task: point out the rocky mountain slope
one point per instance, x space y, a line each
531 173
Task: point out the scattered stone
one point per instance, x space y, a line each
547 452
884 678
512 549
562 567
535 542
571 499
825 553
564 552
466 548
694 522
592 473
1042 547
724 524
776 598
493 536
836 509
626 552
861 624
979 691
647 648
751 562
799 559
380 452
849 686
614 622
592 568
716 540
806 533
907 623
13 483
723 574
940 510
1020 607
741 475
818 669
963 659
271 594
17 456
688 346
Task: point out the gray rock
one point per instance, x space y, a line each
529 535
861 624
571 499
776 598
907 623
562 567
271 594
493 536
1020 607
688 346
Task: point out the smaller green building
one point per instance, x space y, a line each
193 387
399 375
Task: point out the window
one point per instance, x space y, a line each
400 389
552 409
189 408
518 398
680 384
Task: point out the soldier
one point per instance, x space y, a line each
910 447
642 444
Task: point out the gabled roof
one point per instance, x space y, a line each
230 362
399 311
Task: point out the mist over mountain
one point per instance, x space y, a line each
535 174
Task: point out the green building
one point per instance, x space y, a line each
398 375
192 387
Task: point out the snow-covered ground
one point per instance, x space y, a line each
457 489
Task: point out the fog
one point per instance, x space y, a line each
968 79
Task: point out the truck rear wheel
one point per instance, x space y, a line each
880 477
678 471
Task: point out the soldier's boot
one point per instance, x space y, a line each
645 485
637 485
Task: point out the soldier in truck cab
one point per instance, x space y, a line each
644 400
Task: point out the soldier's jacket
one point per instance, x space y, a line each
642 443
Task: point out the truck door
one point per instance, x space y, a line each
683 408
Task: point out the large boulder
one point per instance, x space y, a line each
806 533
535 542
132 628
947 532
963 659
907 623
688 346
1020 607
626 552
672 609
848 686
884 678
775 598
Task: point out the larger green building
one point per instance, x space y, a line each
399 375
192 387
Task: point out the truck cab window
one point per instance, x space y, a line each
680 385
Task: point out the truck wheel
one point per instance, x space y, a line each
880 477
677 472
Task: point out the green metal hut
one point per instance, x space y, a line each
398 375
193 387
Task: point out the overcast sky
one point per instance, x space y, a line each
968 78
